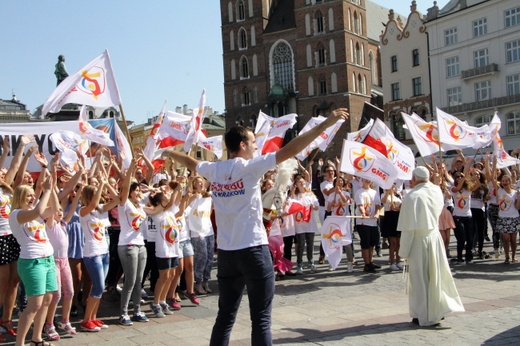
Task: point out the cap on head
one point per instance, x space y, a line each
421 173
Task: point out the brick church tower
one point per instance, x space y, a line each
304 56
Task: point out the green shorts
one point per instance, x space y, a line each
38 275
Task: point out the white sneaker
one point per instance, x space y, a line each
400 266
350 267
144 295
393 266
313 268
299 270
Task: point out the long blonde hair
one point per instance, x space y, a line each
20 194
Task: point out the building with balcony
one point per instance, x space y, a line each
475 62
405 70
306 56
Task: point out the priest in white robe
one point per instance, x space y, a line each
431 289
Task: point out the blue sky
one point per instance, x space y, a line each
161 49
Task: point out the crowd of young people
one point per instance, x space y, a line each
74 235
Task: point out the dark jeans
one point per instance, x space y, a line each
287 246
151 265
115 270
251 268
464 234
479 228
307 240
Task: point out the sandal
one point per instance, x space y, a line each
506 261
11 331
41 343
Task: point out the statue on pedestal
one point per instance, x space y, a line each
60 70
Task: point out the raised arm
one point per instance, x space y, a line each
17 159
125 187
299 143
25 216
23 166
185 160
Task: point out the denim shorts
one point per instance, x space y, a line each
38 275
185 249
167 263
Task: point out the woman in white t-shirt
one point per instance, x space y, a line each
36 263
201 233
305 223
166 246
94 222
131 248
462 188
508 223
392 201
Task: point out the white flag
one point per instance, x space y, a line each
123 146
335 233
90 133
503 158
151 141
424 134
359 136
94 85
195 130
454 132
380 138
69 143
213 144
174 129
323 140
270 132
363 161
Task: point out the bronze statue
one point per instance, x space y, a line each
60 71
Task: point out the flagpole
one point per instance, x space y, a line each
439 134
126 129
314 156
474 157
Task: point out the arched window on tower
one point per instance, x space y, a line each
241 11
321 55
282 66
244 68
356 23
320 26
242 39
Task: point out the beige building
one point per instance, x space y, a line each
13 111
475 62
405 69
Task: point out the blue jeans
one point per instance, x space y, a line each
252 268
97 267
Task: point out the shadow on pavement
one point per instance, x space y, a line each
512 335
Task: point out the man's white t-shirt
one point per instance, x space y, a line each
237 199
